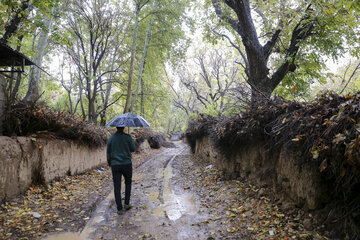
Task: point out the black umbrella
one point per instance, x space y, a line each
128 120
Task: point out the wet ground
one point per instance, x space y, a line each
162 209
175 196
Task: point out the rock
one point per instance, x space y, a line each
308 225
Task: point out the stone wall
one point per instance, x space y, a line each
278 169
25 161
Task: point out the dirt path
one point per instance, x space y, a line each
179 197
163 209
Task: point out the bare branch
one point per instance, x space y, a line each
351 76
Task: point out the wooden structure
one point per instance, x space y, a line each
12 58
11 61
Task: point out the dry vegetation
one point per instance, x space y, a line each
39 120
28 119
156 140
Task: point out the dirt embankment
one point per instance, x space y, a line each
308 153
65 204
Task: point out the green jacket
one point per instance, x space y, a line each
118 149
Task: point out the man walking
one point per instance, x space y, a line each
119 148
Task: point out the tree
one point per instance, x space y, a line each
20 20
20 14
94 30
349 75
142 63
182 100
139 4
162 39
210 84
33 92
289 32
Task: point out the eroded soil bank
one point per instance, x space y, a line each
178 197
65 204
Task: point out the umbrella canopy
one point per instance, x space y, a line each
128 120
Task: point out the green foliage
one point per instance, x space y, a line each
335 33
211 109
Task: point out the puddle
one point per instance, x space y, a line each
98 219
159 212
168 173
160 173
154 196
174 205
177 205
84 235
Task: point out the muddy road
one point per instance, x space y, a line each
163 208
178 197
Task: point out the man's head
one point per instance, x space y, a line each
120 129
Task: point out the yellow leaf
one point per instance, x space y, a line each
315 154
232 230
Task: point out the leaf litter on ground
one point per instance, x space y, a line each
239 210
65 204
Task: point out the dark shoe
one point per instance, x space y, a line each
119 212
128 206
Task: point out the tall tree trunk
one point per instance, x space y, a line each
132 58
14 24
108 86
257 55
18 77
142 64
81 101
33 91
81 85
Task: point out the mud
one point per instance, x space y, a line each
176 196
162 210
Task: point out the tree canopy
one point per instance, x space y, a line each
286 41
167 59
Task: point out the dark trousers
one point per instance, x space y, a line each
126 171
